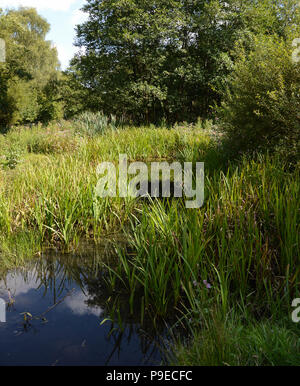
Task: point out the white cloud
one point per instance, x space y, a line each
18 284
55 5
65 54
77 302
78 17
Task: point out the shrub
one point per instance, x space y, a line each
91 124
262 104
11 158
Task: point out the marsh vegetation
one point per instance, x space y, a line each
217 86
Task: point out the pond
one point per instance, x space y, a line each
57 313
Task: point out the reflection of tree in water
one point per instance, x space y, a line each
57 274
124 325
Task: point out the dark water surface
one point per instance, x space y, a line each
67 303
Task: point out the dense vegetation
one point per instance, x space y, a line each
153 60
243 242
29 75
148 71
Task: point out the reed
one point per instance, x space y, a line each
237 255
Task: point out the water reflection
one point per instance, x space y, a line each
60 312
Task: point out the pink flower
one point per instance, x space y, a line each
207 285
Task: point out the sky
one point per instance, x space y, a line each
62 15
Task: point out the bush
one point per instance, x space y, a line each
261 107
91 124
11 158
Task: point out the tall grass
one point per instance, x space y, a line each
92 124
236 343
243 242
237 255
51 190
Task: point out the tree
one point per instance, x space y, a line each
31 65
73 93
261 107
154 59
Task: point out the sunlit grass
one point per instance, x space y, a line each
50 191
238 254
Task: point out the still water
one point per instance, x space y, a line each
67 319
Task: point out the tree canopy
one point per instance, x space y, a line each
142 60
168 59
31 67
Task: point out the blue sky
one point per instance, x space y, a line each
62 15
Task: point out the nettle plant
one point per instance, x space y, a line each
12 157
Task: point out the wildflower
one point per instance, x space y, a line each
207 285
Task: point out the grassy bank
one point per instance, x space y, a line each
230 269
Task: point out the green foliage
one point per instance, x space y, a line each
150 60
154 60
243 241
51 104
261 108
231 343
92 124
165 61
39 140
30 68
73 95
11 158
